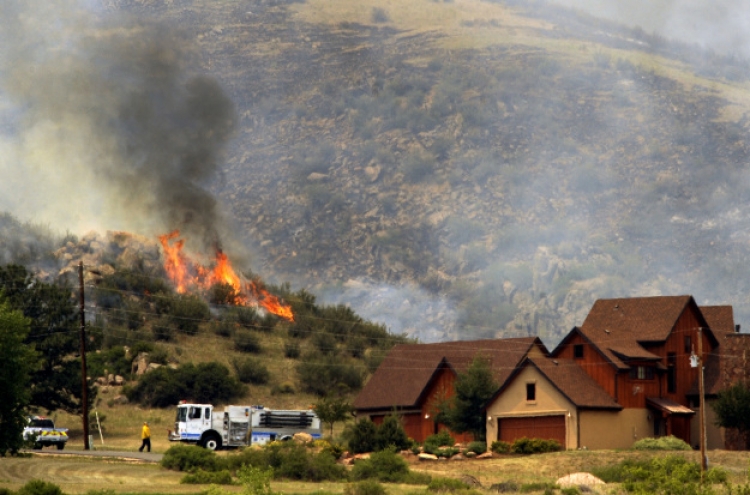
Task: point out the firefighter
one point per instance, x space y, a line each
146 437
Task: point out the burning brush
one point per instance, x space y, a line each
187 274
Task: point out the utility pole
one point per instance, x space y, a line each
697 361
84 380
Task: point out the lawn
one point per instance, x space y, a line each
80 475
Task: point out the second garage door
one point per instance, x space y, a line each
547 427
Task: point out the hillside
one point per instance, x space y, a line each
463 169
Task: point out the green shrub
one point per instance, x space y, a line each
360 436
320 374
661 443
188 312
535 446
246 341
538 487
201 477
283 388
671 474
291 350
365 487
205 383
505 487
500 447
385 466
443 485
292 461
190 458
255 480
391 434
39 487
442 439
252 371
571 490
476 447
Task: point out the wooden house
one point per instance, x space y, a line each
414 378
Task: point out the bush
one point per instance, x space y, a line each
535 446
319 375
190 458
201 477
365 487
668 474
256 480
204 382
39 487
391 434
251 371
361 436
433 443
500 447
283 388
661 443
386 466
447 485
188 312
291 350
477 447
246 341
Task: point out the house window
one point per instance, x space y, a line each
530 392
688 344
642 373
578 351
671 373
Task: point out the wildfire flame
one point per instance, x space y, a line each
188 274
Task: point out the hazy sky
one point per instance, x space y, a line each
723 25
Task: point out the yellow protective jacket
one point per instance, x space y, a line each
146 433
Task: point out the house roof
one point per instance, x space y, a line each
571 380
669 406
406 372
720 320
620 327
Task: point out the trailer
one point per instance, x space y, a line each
240 426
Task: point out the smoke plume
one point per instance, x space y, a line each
105 122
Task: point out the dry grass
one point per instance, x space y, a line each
80 475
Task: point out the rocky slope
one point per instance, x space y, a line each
491 174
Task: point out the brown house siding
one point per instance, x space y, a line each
735 367
592 362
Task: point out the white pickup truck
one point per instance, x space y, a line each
42 432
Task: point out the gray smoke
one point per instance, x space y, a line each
108 124
720 25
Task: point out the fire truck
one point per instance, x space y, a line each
239 426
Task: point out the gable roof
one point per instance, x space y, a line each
406 372
619 327
570 380
720 319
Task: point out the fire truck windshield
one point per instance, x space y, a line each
181 414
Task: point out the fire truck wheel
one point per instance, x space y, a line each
60 446
211 441
38 446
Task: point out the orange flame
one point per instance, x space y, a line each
186 274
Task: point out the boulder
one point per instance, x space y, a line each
302 437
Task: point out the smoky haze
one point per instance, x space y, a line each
720 25
105 123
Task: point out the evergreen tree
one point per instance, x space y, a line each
464 412
732 408
51 309
18 361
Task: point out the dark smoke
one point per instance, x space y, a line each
114 120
